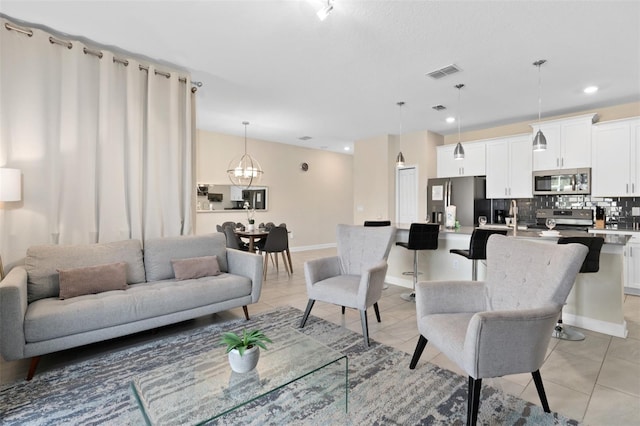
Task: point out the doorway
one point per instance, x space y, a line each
407 194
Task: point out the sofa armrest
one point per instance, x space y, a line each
498 343
13 308
441 297
247 265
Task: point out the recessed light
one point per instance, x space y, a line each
591 89
346 148
451 119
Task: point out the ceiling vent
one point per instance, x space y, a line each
444 71
304 138
439 107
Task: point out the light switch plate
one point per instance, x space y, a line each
635 211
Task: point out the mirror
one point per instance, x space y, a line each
221 198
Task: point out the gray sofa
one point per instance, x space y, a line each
35 321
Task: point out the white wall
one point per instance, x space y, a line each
311 203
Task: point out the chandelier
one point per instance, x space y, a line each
245 170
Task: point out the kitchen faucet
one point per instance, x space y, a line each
513 211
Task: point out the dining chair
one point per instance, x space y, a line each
233 241
276 242
502 325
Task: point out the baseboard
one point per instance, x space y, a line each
399 282
632 290
610 328
313 247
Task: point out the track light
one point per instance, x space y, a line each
325 11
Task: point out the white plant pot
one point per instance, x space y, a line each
251 227
246 362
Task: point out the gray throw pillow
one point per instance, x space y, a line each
195 267
92 279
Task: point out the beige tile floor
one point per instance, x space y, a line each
596 381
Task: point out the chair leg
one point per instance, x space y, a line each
474 270
246 312
265 267
343 309
473 402
422 342
307 312
284 260
32 367
537 379
377 311
289 257
365 327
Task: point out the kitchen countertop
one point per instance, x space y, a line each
614 237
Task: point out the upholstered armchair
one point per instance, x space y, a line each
502 325
355 277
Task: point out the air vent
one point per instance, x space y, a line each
439 107
444 71
304 138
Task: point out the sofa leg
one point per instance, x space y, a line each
246 312
32 367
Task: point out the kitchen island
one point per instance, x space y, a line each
595 302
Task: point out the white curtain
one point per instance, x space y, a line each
105 149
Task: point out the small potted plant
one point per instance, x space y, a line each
250 216
244 350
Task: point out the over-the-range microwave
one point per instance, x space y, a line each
562 182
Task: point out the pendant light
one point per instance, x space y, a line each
400 157
245 170
458 153
539 142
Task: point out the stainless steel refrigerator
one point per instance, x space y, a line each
468 194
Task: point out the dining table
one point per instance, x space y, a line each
254 235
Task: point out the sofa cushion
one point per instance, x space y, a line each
92 279
52 318
159 252
42 263
195 267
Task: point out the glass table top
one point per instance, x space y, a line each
200 388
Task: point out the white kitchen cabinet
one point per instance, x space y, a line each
568 143
616 159
236 193
473 163
632 265
509 162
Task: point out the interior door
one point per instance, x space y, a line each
407 194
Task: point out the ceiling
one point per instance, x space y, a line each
276 65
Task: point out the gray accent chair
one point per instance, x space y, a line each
354 278
502 325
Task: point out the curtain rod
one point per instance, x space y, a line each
96 53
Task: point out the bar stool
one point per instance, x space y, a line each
422 236
591 264
477 248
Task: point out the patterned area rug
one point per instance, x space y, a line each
382 389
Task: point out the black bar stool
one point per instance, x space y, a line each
377 223
591 264
422 236
477 248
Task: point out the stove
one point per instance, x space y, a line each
566 219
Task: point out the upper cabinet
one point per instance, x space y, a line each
568 143
509 167
473 163
616 159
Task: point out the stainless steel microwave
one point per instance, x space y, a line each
562 182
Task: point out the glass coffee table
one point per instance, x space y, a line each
201 388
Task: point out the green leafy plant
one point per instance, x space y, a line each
245 341
252 221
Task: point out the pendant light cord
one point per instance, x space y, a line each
246 123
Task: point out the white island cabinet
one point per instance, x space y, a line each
632 265
509 167
568 143
595 302
616 159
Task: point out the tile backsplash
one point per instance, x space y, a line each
618 210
